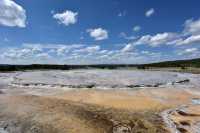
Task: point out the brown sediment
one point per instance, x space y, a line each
56 115
93 111
144 99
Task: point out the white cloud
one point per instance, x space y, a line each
58 49
43 55
52 11
177 41
52 46
67 17
91 49
12 14
136 28
123 35
98 33
190 40
189 51
25 55
156 40
150 12
62 50
189 35
6 39
145 52
128 48
85 54
35 47
151 54
122 14
79 54
103 51
18 53
192 27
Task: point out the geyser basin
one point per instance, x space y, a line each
98 78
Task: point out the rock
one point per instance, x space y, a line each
182 130
34 129
183 81
185 123
121 129
183 113
1 92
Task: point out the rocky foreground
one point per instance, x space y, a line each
99 101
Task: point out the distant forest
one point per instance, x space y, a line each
179 63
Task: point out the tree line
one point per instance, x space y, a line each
179 63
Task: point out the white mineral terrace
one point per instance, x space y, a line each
99 79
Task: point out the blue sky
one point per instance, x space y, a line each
98 31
